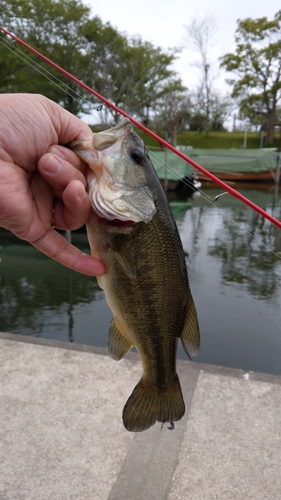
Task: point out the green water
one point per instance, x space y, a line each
235 278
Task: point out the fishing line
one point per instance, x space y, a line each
210 200
166 144
69 75
44 72
173 171
63 86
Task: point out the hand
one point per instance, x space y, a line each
42 182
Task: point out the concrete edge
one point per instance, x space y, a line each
206 368
26 339
153 454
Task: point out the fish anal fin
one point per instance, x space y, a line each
125 259
190 335
149 403
117 344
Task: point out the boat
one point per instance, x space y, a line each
232 165
234 177
229 165
174 172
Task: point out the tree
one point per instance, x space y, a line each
172 111
137 73
53 28
219 109
200 37
154 77
10 64
257 66
131 73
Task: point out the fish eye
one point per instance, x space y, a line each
137 156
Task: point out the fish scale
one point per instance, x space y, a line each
146 281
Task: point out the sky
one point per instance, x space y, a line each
162 23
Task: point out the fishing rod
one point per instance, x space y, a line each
164 143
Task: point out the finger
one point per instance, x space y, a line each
75 209
68 126
54 245
60 166
68 155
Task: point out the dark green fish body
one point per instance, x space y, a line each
146 287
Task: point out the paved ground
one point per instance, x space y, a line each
62 438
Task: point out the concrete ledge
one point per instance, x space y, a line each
52 343
222 370
61 432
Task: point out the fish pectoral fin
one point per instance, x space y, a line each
125 259
190 335
117 344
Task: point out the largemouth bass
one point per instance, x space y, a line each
132 230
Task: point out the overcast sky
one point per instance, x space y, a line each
162 23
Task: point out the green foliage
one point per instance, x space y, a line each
131 73
138 73
197 122
172 111
256 64
53 28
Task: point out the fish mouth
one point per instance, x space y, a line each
118 204
117 177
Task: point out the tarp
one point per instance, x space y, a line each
176 167
234 160
214 160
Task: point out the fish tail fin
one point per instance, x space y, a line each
149 403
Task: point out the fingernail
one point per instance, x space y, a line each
56 151
82 194
53 164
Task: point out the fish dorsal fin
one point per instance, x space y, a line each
190 335
125 259
117 344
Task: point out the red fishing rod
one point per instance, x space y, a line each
166 144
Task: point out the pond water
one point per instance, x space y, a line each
234 271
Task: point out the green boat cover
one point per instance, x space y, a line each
214 160
234 160
176 168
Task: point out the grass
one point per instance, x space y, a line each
220 140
